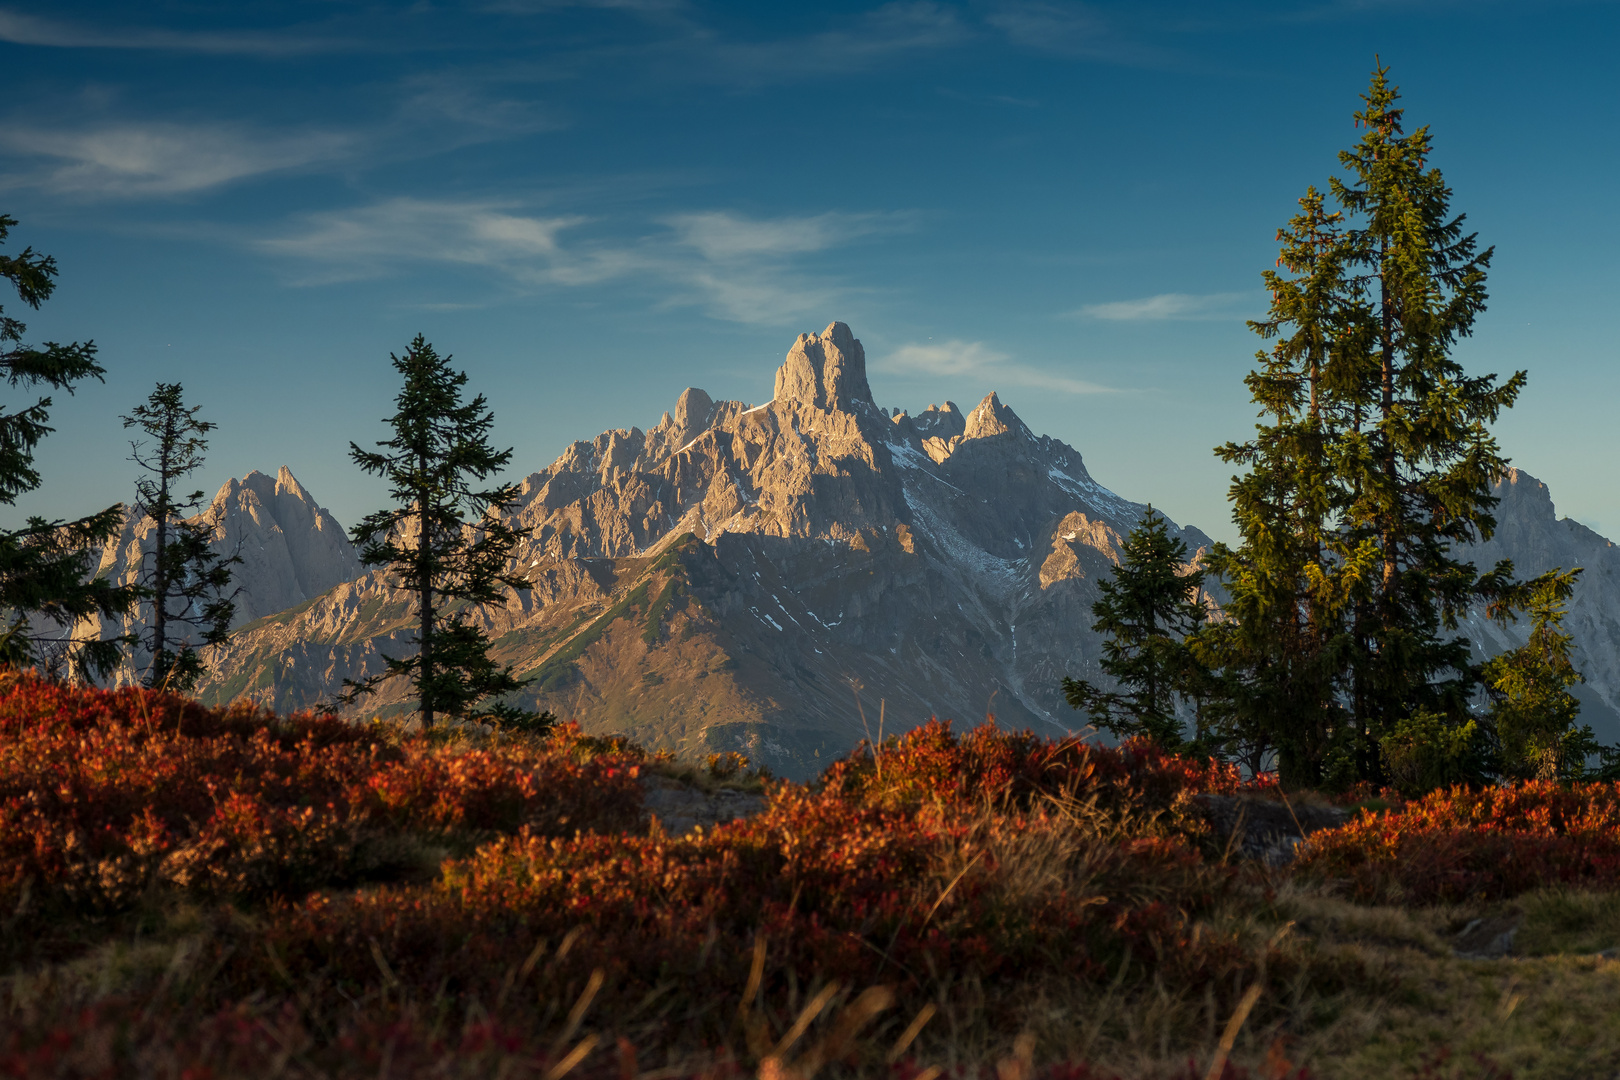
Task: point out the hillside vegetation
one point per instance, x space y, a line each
197 892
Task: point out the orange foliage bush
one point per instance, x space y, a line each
1461 844
103 793
987 765
906 879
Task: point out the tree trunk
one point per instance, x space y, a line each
424 568
1387 406
1389 539
160 568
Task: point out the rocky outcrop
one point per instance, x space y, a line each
678 807
292 550
1270 830
825 371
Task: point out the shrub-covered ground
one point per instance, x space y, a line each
188 892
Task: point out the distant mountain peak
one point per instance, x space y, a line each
291 550
736 577
991 417
718 580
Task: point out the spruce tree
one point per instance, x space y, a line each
1420 467
46 566
1532 714
444 540
1375 462
1147 609
188 583
1284 645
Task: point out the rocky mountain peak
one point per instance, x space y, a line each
940 423
991 417
734 576
825 371
291 550
693 412
1531 534
718 580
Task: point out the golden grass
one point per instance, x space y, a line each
1375 992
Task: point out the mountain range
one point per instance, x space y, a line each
787 578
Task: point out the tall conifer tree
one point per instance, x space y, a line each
1376 461
1285 645
444 540
46 566
188 582
1419 473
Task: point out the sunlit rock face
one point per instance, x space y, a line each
825 371
830 567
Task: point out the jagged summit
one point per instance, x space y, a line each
991 417
825 371
292 549
818 460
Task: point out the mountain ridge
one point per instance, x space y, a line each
818 545
782 579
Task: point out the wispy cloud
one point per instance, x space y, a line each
100 158
125 160
367 241
1212 307
975 359
724 236
1070 29
739 268
871 38
21 29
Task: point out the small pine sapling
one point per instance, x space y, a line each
1146 612
1532 713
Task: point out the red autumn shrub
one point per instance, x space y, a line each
103 793
861 894
989 766
1461 844
939 860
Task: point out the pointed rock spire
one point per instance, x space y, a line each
991 417
825 370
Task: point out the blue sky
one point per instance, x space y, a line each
595 204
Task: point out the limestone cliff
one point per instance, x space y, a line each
786 578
